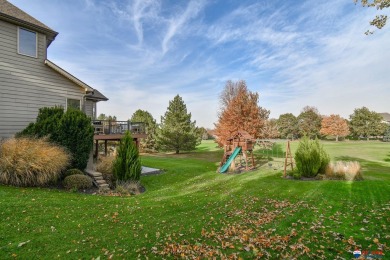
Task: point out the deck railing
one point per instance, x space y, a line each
107 127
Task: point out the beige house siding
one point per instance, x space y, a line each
90 108
27 84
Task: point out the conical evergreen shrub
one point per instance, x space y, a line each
127 165
311 158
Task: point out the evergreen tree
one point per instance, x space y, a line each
76 134
177 132
71 129
147 144
127 165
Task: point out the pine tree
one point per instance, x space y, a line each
127 165
177 132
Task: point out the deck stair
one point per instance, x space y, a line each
97 179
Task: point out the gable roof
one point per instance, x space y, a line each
14 15
92 93
96 95
242 134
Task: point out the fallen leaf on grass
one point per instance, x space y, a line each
23 243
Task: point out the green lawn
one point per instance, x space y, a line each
190 210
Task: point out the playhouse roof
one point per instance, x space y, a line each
242 134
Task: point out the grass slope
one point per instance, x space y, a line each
191 211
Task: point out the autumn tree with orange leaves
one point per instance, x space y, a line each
239 111
334 125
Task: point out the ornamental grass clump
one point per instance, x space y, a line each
127 165
311 158
104 166
340 170
26 162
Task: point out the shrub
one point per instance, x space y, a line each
127 165
129 188
77 182
73 172
76 134
324 157
340 170
31 162
72 129
310 157
47 124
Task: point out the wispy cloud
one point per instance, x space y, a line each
177 22
141 53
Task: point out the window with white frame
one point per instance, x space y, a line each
73 104
27 42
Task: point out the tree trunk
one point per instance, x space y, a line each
177 151
337 138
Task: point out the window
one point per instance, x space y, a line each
73 103
27 42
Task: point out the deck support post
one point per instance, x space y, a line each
96 149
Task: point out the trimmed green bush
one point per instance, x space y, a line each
72 130
47 124
29 162
77 182
73 172
76 134
311 158
127 165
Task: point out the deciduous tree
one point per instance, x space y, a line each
177 132
239 111
309 122
366 123
104 117
288 126
148 144
380 20
334 125
270 129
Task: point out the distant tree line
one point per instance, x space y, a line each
363 123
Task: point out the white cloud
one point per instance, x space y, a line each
178 22
141 54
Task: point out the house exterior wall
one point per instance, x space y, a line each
90 108
27 84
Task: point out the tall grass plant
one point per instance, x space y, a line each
31 162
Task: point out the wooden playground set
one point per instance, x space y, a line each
241 145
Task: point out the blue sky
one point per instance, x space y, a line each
141 53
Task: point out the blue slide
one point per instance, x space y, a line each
225 167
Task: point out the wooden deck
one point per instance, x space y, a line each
116 137
106 130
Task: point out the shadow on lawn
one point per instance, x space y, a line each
388 158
